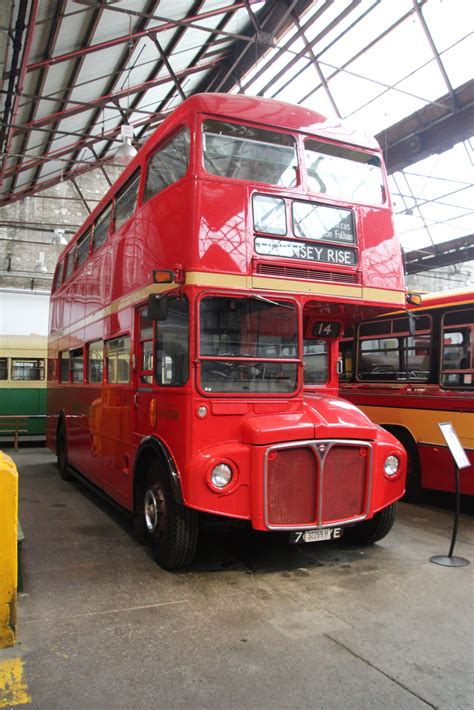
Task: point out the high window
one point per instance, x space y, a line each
70 263
101 227
82 249
168 164
246 153
343 173
58 276
126 200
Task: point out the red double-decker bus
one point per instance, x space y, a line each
242 239
410 380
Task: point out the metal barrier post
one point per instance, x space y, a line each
8 550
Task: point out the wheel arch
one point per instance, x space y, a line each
404 436
152 449
414 480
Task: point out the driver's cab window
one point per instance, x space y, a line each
316 362
172 345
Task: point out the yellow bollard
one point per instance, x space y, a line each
8 550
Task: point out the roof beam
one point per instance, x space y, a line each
40 83
114 97
7 138
172 44
73 77
165 26
455 251
433 129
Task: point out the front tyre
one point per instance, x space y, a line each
373 530
171 528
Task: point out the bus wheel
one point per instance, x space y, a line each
171 528
372 530
62 453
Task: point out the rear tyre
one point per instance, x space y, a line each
61 448
171 528
373 530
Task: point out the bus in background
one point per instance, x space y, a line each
23 382
244 235
408 383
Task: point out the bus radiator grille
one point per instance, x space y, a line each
292 487
344 483
295 272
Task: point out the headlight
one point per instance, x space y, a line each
391 465
221 475
269 214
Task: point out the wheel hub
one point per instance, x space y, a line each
151 511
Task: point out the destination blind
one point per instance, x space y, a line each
304 251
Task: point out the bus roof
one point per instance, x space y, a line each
278 114
269 112
442 298
19 344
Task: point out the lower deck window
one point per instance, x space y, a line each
27 369
3 368
77 365
117 355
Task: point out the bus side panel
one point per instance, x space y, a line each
381 257
437 467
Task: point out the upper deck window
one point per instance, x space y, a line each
70 263
247 153
58 276
343 173
101 227
168 164
82 248
126 200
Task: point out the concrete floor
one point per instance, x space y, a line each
253 624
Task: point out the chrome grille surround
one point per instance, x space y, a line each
314 444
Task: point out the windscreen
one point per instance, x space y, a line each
246 153
344 173
246 345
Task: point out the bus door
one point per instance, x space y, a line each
145 394
162 366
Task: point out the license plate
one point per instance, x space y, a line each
316 535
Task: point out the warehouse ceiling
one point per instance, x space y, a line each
75 71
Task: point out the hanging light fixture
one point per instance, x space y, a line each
59 239
126 152
40 266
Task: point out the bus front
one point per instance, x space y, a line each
295 242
